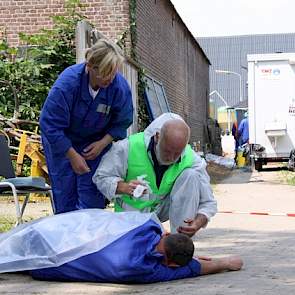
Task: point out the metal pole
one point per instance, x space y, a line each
234 73
228 120
226 105
241 95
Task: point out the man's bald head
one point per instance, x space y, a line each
174 136
175 132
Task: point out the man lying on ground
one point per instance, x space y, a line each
126 247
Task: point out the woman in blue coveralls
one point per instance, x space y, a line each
89 106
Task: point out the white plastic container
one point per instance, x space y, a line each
271 102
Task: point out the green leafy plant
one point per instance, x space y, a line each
28 72
143 118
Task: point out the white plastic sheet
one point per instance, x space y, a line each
55 240
222 161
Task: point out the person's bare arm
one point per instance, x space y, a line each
215 265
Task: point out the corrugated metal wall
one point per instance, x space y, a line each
230 53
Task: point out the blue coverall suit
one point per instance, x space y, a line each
130 259
72 118
244 131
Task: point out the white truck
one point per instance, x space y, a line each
271 103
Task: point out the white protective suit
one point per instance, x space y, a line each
191 193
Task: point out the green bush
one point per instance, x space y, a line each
28 72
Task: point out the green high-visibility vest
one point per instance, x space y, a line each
139 164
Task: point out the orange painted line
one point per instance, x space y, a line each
259 213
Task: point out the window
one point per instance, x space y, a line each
155 98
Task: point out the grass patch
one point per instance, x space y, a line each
6 223
288 177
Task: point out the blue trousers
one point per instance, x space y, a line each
70 190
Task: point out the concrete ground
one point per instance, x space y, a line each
266 244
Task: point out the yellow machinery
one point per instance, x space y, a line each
29 147
32 149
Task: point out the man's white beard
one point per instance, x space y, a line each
158 156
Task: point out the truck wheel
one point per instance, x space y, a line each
258 165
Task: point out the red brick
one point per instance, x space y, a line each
168 52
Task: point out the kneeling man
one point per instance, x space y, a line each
175 177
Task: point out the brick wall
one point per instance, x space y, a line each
170 55
165 47
111 17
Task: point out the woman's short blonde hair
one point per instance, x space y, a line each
104 56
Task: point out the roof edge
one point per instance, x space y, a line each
191 35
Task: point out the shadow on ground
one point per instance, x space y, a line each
223 175
269 268
270 169
220 174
